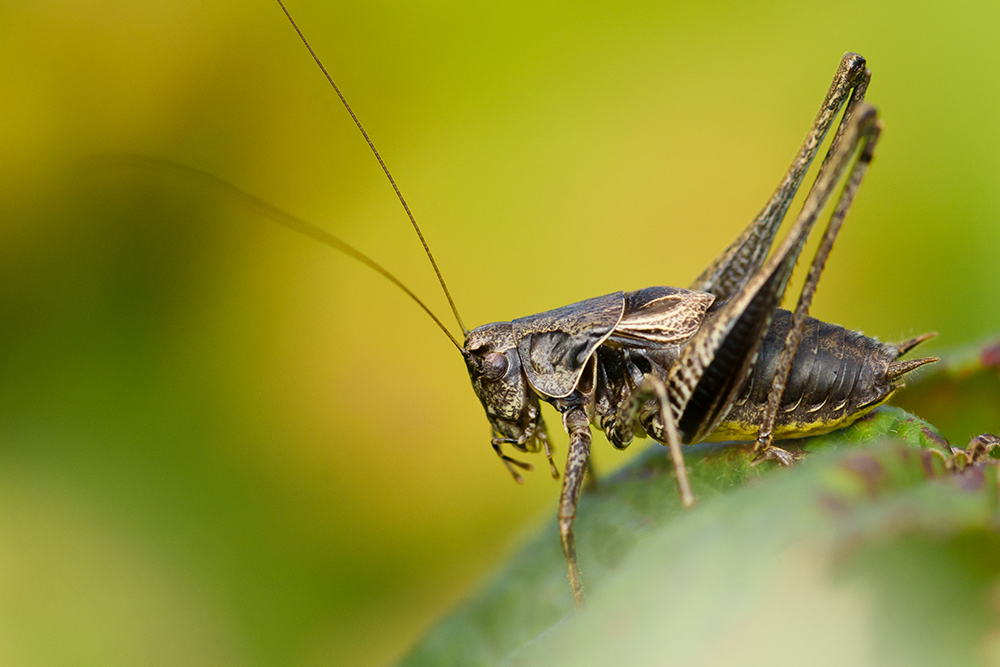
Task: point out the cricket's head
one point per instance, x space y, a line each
511 404
499 382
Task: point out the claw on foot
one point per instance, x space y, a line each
511 462
772 453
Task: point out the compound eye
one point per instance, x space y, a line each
494 366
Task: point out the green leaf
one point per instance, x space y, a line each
868 552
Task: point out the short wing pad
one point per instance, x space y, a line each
659 316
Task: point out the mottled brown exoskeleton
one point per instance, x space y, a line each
716 361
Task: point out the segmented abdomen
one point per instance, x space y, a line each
838 375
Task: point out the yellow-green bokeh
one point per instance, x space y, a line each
221 443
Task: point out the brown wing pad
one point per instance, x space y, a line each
659 316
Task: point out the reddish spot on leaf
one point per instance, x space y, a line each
868 469
990 356
936 438
927 461
874 414
833 504
971 479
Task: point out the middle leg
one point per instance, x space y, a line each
630 413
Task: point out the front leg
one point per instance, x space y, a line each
578 426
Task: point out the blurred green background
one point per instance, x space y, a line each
223 444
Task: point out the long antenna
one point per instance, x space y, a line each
392 181
263 208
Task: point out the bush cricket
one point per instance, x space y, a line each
717 361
